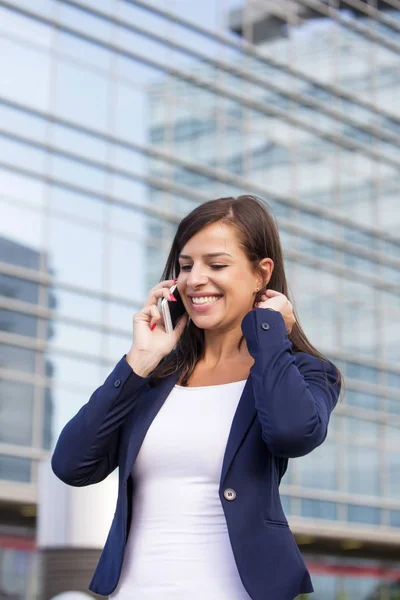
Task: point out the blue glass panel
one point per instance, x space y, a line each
16 409
362 399
361 467
81 95
23 68
13 357
363 514
13 468
286 502
394 518
319 509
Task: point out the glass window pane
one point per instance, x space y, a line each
319 509
21 187
22 243
18 289
13 468
81 95
393 473
361 465
82 306
13 322
16 411
24 68
75 253
21 359
77 205
127 268
319 469
363 514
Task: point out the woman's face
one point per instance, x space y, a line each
216 280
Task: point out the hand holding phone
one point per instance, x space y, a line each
172 311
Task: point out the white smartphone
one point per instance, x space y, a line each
171 311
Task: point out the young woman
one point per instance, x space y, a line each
202 421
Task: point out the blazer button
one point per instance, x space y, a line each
265 326
117 383
229 494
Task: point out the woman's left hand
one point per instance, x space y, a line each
279 302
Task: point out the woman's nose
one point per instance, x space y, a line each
196 277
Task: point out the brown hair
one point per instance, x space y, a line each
259 238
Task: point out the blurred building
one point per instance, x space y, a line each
117 118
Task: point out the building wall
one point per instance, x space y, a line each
116 120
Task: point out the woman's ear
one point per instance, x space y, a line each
266 266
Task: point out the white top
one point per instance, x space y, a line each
178 547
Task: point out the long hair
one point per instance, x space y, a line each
259 238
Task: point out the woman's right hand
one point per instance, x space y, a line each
150 340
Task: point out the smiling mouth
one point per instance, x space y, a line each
204 300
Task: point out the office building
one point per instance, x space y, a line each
118 117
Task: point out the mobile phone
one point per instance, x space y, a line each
171 311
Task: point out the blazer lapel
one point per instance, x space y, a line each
150 403
244 417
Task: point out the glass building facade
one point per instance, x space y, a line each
117 117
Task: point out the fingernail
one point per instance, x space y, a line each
175 279
172 297
153 326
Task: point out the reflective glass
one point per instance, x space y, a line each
319 509
75 253
363 514
392 460
72 140
24 68
24 27
16 411
87 23
13 322
361 468
120 316
20 122
21 359
76 339
394 518
21 187
74 372
21 243
361 429
361 399
131 109
319 469
13 468
20 154
127 268
117 346
86 52
18 289
79 306
81 95
77 205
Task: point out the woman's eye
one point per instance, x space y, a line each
215 267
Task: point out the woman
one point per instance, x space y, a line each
201 422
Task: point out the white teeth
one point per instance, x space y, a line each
205 300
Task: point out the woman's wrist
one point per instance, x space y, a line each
140 362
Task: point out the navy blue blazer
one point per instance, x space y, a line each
283 413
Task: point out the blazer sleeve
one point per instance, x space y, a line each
295 393
87 449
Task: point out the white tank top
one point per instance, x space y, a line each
178 546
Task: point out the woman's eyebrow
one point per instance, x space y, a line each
208 255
